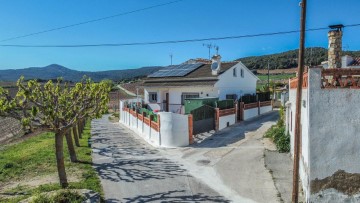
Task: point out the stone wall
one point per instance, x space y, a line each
335 48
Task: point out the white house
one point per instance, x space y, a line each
167 89
346 62
329 126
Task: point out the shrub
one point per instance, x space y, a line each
67 196
283 144
278 135
62 196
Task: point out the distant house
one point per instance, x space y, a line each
167 88
346 62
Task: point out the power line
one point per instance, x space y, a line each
166 42
90 21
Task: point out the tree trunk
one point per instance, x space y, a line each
71 147
79 129
76 138
59 150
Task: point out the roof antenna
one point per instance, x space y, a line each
209 46
217 49
171 57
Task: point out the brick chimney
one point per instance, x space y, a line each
335 46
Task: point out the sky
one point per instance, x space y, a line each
187 19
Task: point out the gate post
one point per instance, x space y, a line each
190 125
236 111
241 111
217 117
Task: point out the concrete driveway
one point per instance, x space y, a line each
226 167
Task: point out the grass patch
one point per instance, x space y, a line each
60 196
278 135
276 77
35 157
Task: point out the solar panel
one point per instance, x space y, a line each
175 71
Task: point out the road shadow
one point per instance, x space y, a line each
139 170
175 196
236 132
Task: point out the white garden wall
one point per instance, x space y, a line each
224 120
265 109
330 130
174 131
250 113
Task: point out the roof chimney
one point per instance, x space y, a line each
215 64
335 46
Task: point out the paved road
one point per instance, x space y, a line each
133 171
230 163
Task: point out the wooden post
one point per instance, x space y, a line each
143 122
217 118
190 124
259 107
295 191
241 111
236 111
151 118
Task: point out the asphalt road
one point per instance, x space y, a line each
226 167
133 171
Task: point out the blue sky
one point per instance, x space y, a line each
184 20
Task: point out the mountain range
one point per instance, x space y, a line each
285 60
54 71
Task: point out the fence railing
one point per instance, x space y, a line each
340 78
203 112
251 105
226 112
257 106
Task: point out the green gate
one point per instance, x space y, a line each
204 119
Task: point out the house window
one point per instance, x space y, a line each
153 97
188 96
234 72
231 96
242 73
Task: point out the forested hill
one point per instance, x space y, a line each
54 71
288 59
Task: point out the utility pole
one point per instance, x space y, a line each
295 191
171 56
268 83
209 46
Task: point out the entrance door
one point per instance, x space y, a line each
167 102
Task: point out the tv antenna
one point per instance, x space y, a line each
209 46
217 49
171 57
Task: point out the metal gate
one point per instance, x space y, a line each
204 119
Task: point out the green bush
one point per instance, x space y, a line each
278 135
225 104
63 196
148 113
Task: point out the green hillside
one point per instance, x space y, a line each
288 59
